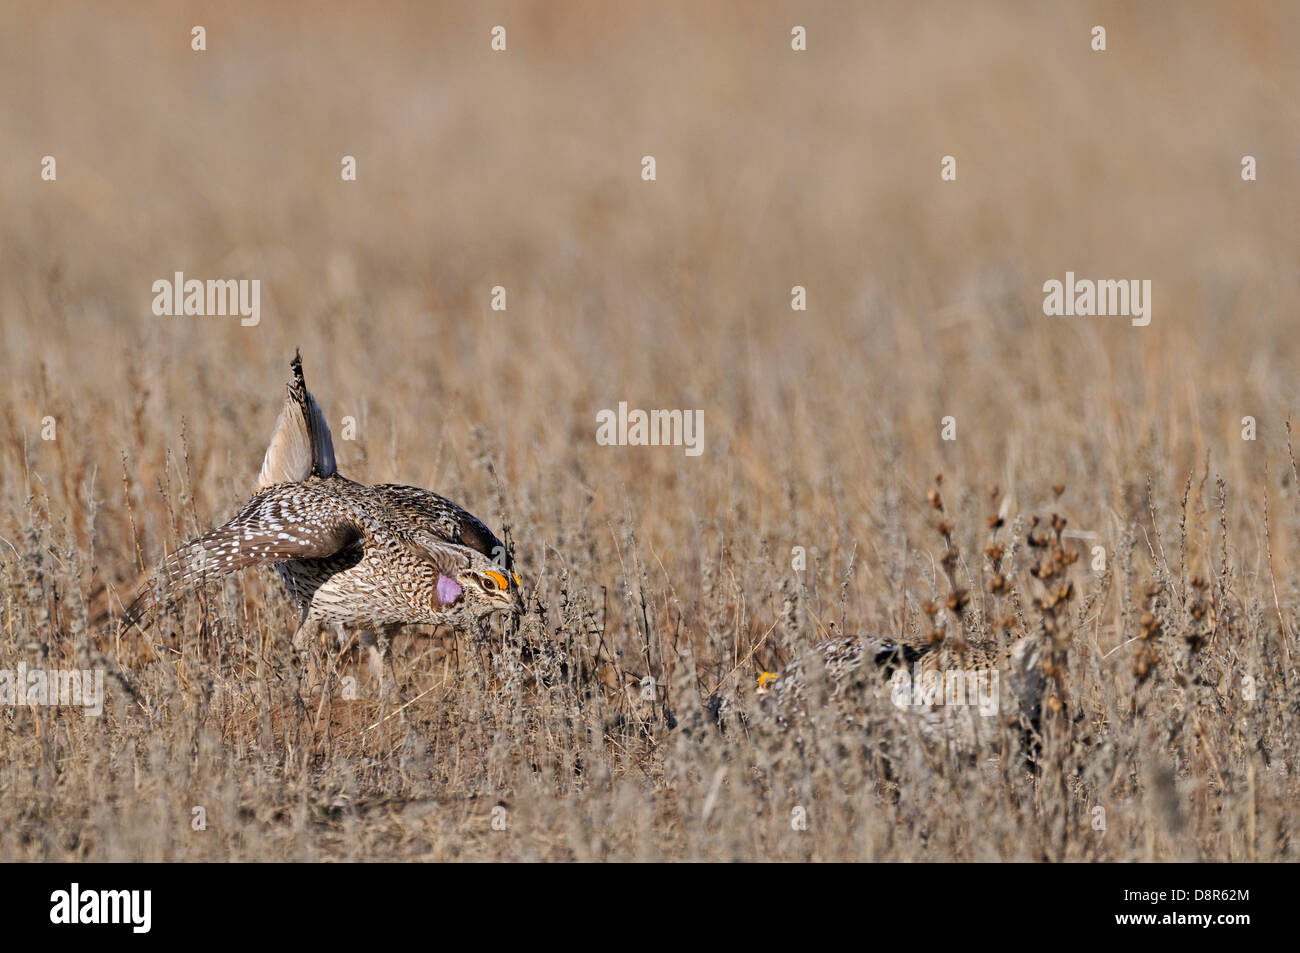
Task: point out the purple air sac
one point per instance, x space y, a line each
448 590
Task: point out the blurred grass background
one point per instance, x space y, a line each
775 169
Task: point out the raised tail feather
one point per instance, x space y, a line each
301 445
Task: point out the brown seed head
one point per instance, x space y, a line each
957 600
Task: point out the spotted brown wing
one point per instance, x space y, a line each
286 522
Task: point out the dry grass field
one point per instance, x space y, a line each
1173 717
